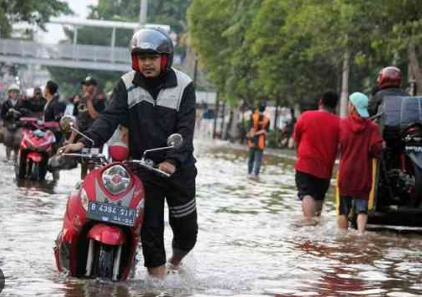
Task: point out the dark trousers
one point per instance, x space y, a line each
255 160
179 192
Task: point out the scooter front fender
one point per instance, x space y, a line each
107 234
35 157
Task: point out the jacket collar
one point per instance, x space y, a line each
165 81
56 97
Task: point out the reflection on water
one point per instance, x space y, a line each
251 241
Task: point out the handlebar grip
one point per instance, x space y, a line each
73 155
90 156
160 172
151 168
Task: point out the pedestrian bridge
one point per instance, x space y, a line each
74 55
65 55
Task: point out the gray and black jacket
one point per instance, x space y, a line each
151 113
377 99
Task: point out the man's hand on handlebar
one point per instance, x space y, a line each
73 147
167 167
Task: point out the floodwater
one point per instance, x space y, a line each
251 241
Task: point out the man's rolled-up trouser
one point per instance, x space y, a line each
179 191
12 138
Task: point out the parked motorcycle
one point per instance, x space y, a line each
104 214
35 148
396 196
398 193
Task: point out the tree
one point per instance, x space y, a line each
159 11
207 20
218 34
31 11
289 70
292 50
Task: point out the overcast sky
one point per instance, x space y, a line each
55 32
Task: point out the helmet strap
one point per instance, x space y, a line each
135 62
163 63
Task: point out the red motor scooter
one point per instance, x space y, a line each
103 218
35 148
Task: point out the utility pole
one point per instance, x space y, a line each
195 70
143 12
217 111
344 85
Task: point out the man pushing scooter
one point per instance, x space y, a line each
154 101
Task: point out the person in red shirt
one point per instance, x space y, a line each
316 136
360 141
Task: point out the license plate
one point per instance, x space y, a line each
111 213
414 149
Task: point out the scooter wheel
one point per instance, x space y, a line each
21 167
105 261
35 172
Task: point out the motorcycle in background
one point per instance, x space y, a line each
395 200
35 148
397 193
104 214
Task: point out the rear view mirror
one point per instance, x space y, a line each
175 140
67 122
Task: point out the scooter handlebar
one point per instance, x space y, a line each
84 155
39 124
150 167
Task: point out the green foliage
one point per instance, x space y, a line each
159 11
207 20
32 11
218 33
292 50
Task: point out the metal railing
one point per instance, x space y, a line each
91 53
65 55
68 55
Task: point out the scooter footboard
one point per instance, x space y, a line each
106 234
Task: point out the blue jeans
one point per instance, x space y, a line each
347 203
255 159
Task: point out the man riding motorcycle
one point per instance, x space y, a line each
12 109
399 178
389 83
37 103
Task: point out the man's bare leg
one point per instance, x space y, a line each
157 272
174 262
176 258
15 155
310 208
318 204
8 152
342 222
361 221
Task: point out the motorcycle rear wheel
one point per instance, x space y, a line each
21 170
418 186
35 171
104 261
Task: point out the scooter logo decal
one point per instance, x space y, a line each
116 179
2 281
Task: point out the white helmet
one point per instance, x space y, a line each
13 87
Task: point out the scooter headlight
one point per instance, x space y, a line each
116 179
84 198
